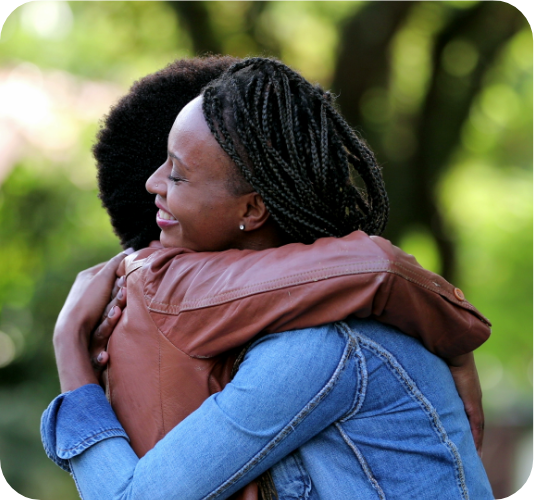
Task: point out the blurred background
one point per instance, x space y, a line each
442 91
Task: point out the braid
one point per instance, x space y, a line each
291 145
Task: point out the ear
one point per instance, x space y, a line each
255 213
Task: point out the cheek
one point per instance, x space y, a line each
178 199
218 220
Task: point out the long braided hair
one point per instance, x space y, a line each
316 176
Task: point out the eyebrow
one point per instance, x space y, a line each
172 155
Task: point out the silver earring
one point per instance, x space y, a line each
156 185
242 227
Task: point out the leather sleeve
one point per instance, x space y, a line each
207 303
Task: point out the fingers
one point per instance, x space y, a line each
118 300
112 263
103 358
100 338
475 415
119 283
477 430
464 373
109 269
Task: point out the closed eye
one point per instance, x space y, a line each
175 179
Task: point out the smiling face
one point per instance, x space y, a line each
196 208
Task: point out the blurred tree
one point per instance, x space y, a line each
442 91
465 45
232 28
194 17
363 72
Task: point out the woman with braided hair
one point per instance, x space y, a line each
260 160
296 151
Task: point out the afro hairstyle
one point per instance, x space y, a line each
132 143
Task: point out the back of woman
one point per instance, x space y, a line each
405 435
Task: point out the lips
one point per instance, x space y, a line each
163 218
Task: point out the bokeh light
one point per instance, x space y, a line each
7 349
49 20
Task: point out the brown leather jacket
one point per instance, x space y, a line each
189 314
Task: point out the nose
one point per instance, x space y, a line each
156 182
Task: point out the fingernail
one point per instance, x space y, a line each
100 357
121 281
120 295
111 312
129 251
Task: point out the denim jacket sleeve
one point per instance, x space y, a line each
289 388
86 418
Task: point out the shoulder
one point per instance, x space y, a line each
298 370
324 340
302 355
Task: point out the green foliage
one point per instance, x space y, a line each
50 229
52 224
487 198
116 41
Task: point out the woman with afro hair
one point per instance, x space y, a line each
133 143
262 161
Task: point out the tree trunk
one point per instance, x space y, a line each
194 18
364 64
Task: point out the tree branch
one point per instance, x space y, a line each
194 17
487 26
264 39
364 63
364 59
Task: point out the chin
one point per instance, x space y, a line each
168 242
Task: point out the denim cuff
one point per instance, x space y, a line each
76 420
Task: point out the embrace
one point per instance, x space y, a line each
262 341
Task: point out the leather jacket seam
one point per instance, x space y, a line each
270 285
159 387
392 268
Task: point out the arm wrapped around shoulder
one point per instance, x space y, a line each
190 313
208 303
426 306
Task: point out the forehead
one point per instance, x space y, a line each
192 142
191 119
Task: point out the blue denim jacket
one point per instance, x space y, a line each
351 410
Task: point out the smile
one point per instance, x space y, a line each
165 219
165 215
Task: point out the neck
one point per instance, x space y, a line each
267 236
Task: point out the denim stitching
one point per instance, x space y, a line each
76 481
295 421
361 365
365 466
120 432
416 394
